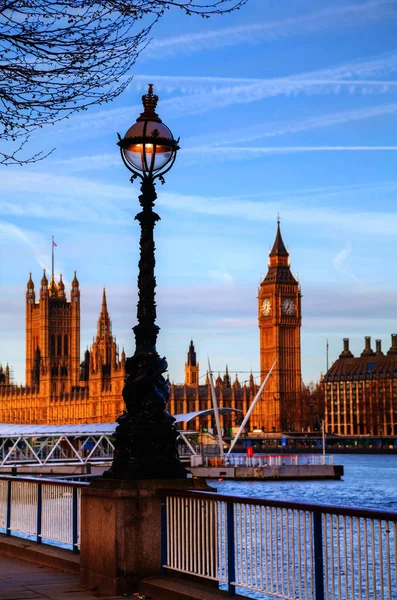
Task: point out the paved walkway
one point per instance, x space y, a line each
21 580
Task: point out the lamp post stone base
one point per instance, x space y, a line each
121 531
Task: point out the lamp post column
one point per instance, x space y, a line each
145 438
121 518
146 331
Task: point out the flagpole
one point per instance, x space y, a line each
52 249
326 346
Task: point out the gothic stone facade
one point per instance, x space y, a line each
59 389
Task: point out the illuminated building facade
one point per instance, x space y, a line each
361 392
61 389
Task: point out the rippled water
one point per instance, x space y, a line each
370 481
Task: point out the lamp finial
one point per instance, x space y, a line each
149 102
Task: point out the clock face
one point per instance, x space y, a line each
266 307
288 306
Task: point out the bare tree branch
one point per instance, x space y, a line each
58 57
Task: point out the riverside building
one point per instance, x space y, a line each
361 392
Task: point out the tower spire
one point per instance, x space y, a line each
226 378
104 325
279 248
191 355
191 366
104 302
279 263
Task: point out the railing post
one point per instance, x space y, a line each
231 571
8 517
318 557
39 512
74 519
164 540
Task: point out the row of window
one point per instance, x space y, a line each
57 345
367 375
62 371
359 384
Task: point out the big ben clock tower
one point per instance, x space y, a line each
279 318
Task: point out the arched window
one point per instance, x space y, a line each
52 345
65 346
59 345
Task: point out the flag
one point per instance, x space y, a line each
53 243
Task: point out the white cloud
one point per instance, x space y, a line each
201 94
334 80
227 153
90 163
340 262
348 15
30 239
340 258
30 181
110 203
199 154
15 233
53 196
292 207
269 130
331 80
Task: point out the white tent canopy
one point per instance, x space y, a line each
15 430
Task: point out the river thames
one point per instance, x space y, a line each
370 481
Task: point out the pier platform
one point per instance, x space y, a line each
280 472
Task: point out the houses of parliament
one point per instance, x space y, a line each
61 388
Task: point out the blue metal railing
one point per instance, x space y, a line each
43 510
287 550
263 548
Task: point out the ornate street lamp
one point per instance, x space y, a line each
145 438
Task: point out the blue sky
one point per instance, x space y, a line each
284 107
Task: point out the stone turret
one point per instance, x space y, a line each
61 289
191 367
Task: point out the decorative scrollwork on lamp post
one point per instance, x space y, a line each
145 437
